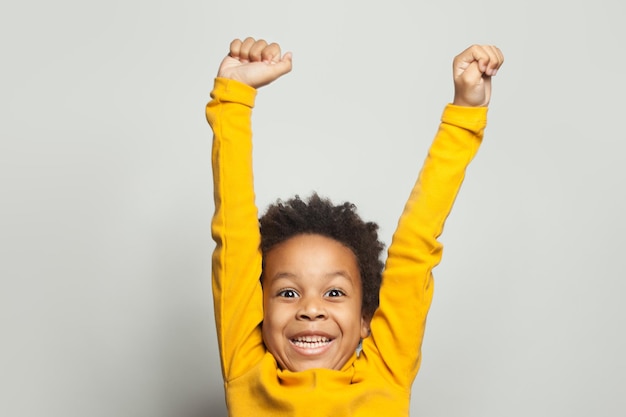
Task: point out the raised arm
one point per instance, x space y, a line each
406 293
236 264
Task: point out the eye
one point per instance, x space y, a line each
334 293
288 293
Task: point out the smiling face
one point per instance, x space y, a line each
312 303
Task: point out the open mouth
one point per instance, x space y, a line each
310 342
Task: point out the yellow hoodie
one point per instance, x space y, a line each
378 381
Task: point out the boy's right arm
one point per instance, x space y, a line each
236 265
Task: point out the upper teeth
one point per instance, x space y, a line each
311 339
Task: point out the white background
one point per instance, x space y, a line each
106 194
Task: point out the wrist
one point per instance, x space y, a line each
463 102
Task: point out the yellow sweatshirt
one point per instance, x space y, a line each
378 381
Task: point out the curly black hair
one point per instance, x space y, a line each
316 215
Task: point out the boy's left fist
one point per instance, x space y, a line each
472 72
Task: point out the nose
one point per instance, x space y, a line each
312 309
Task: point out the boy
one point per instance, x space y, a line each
289 342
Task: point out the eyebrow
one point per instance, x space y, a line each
290 275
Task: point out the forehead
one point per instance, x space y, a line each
310 255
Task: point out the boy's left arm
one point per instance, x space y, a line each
406 293
399 323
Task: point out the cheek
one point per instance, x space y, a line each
350 315
275 315
268 327
268 310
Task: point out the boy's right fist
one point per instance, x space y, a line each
254 62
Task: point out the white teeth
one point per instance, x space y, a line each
311 339
310 342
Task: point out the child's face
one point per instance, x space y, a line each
312 303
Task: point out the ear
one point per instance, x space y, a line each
365 326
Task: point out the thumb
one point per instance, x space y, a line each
284 65
472 88
472 74
269 71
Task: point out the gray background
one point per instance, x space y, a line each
106 197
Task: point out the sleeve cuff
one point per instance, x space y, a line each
228 90
473 119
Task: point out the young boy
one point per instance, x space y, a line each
289 341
